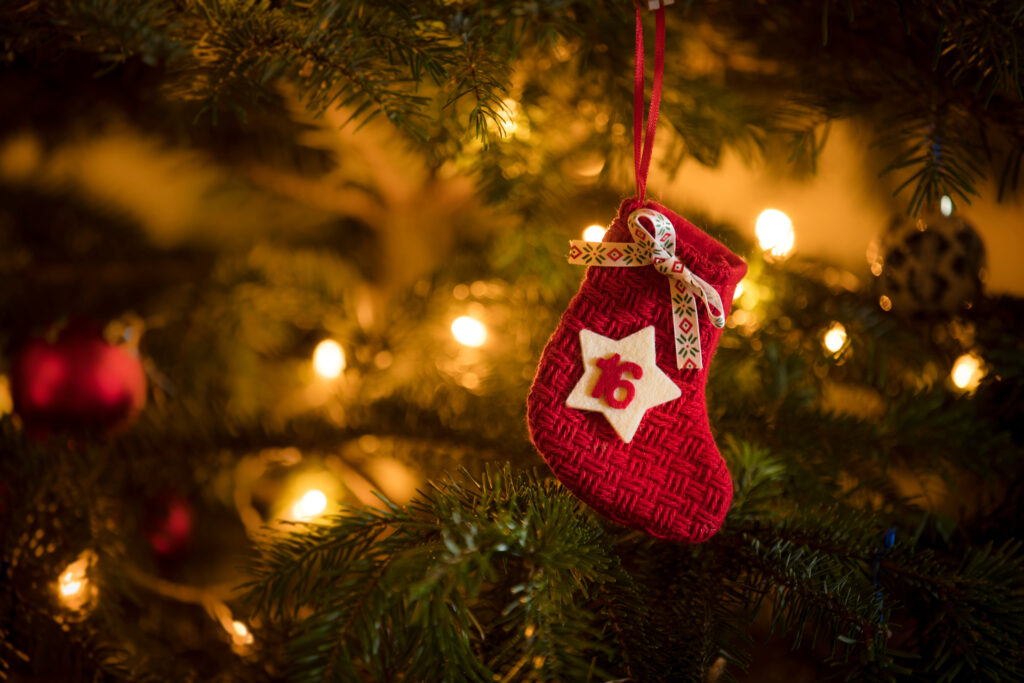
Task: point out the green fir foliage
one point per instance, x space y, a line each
941 81
333 169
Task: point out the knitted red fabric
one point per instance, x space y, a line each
670 480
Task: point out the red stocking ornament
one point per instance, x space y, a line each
661 473
617 408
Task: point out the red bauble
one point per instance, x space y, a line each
168 525
79 382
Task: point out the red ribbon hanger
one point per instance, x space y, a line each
645 140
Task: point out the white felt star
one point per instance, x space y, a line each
621 379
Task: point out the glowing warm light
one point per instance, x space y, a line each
73 585
6 402
393 478
738 292
328 359
310 505
775 232
469 331
508 122
241 633
946 205
967 371
876 260
69 585
594 233
835 338
21 156
885 303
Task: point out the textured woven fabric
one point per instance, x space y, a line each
670 480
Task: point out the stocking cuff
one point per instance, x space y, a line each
704 255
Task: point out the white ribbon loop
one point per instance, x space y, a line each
658 248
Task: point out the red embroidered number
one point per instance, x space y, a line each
611 381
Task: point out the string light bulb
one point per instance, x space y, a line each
71 584
875 257
594 233
240 633
738 292
312 503
775 234
967 372
74 588
835 338
6 402
946 205
469 331
328 359
509 123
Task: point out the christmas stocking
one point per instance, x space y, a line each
617 408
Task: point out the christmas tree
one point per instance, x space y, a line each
277 277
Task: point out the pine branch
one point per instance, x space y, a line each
892 65
938 164
354 588
973 607
940 81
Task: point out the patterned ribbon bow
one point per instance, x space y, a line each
685 288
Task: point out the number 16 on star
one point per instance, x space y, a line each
621 379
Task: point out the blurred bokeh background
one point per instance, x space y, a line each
262 263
